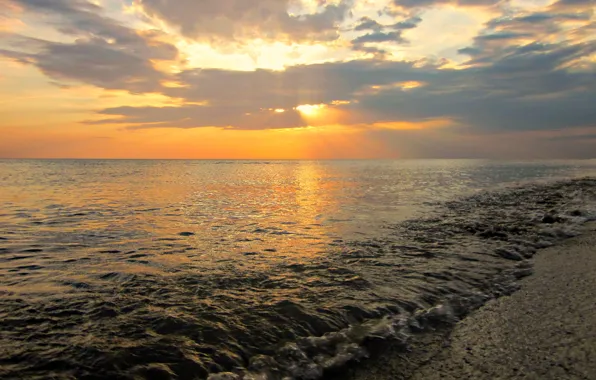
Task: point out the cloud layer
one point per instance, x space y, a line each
525 71
240 19
100 51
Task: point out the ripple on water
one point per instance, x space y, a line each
259 311
18 257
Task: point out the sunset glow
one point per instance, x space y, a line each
105 78
311 110
281 189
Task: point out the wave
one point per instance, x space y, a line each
511 225
301 318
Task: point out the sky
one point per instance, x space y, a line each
289 79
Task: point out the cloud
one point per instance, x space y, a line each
248 100
7 21
538 23
248 19
528 89
193 116
104 53
515 34
380 35
501 36
526 71
445 143
93 62
366 23
575 138
428 3
570 5
409 23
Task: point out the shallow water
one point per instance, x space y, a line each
190 269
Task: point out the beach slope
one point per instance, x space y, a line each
547 330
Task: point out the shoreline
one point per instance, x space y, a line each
542 331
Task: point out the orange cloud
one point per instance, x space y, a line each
8 20
407 125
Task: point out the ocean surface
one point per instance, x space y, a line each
260 269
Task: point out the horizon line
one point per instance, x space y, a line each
295 159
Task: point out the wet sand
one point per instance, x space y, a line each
546 330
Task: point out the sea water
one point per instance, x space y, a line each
259 269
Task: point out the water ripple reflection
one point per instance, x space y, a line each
163 269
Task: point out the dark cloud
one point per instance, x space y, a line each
303 84
524 73
537 21
409 23
92 62
528 89
508 35
381 34
367 23
105 53
376 52
470 143
379 37
577 138
64 7
472 51
574 5
194 116
501 36
240 19
255 95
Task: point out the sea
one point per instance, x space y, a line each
216 269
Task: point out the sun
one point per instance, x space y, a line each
310 110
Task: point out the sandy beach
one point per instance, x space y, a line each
543 331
